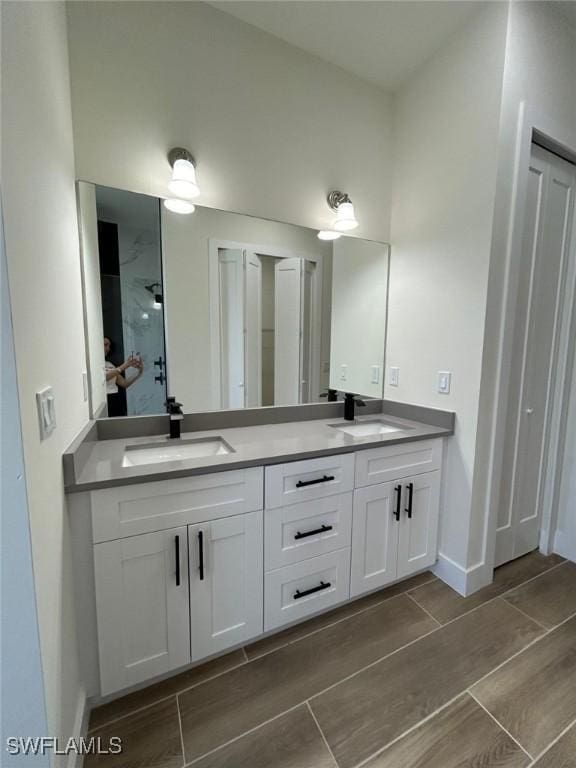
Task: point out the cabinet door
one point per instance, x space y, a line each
417 544
374 538
226 582
142 607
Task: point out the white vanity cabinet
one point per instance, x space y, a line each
225 582
142 606
185 569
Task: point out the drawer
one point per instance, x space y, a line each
392 462
133 509
311 528
308 480
303 589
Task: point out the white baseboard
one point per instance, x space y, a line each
563 545
464 580
80 729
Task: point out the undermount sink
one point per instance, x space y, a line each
368 428
175 450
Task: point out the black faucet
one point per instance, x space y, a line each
350 400
331 394
174 409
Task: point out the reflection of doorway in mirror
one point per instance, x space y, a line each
263 312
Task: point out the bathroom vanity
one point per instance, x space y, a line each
184 558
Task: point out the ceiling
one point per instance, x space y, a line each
381 41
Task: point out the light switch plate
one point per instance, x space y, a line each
85 385
394 376
343 372
46 412
444 382
375 374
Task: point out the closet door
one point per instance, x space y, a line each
548 219
231 295
252 330
226 582
288 292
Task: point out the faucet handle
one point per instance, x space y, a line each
172 406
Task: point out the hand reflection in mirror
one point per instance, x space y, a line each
117 381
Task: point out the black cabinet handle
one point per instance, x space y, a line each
322 529
304 483
398 491
201 554
322 585
177 556
408 509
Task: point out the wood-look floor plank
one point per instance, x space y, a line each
462 734
445 604
228 706
534 694
366 712
562 754
267 644
150 739
291 741
551 598
164 689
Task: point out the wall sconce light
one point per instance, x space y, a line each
158 299
342 205
183 183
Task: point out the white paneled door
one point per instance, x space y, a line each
546 240
142 607
252 330
226 582
231 305
288 321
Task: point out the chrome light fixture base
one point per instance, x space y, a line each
179 153
336 198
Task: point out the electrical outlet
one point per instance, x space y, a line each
394 376
444 382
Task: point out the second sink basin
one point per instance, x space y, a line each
368 428
174 450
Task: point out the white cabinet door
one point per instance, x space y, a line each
142 607
226 582
374 537
418 523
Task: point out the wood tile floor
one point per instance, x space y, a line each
414 676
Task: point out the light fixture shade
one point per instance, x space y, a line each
329 234
179 206
345 218
183 182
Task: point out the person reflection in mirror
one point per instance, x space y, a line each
116 381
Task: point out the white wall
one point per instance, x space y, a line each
273 129
445 135
186 274
359 293
539 79
44 271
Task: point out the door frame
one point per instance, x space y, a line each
214 244
531 124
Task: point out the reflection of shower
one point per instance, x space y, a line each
158 298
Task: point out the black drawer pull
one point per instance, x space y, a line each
322 529
304 483
201 554
398 491
177 558
322 585
408 509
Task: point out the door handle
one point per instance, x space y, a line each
408 509
177 556
201 554
398 491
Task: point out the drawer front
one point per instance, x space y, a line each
308 529
133 509
392 462
303 589
308 480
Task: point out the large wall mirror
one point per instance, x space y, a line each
223 310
